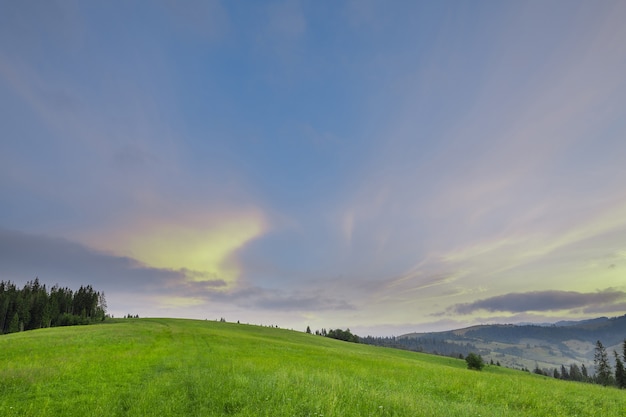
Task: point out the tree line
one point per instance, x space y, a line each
35 307
339 334
426 345
604 374
572 372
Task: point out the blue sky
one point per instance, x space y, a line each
388 167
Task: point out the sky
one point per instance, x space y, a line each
388 167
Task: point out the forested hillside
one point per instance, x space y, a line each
524 346
34 306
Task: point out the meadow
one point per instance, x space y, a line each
170 367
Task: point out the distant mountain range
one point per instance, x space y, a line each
527 345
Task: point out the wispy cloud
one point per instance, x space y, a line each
285 301
492 199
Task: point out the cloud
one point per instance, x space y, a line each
279 300
605 309
55 260
201 243
607 300
498 171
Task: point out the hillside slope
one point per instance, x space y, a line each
166 367
527 345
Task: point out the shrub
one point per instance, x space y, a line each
474 361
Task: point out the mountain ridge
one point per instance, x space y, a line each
527 345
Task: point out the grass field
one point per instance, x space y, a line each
167 367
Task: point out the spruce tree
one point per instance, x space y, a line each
583 371
575 373
603 368
620 374
14 326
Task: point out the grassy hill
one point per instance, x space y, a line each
167 367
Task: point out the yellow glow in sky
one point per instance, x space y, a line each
203 249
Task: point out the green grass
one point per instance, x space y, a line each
166 367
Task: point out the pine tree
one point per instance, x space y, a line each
603 368
5 300
22 308
620 373
583 370
308 329
575 373
47 315
15 324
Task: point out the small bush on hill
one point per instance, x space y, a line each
474 361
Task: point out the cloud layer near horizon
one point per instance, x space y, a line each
537 301
363 164
72 264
